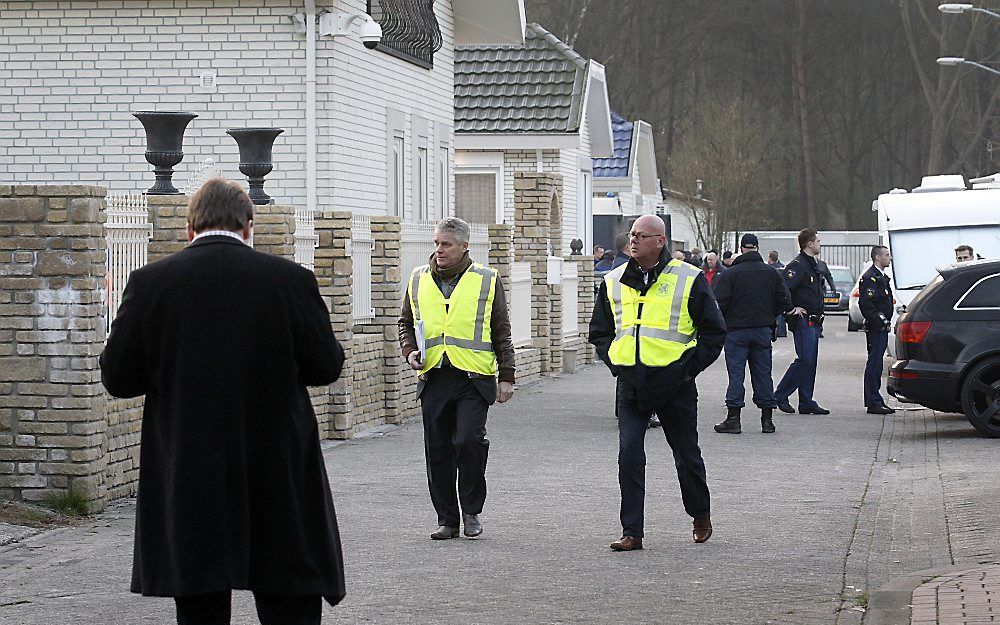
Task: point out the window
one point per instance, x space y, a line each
424 209
398 173
443 192
409 29
984 294
476 194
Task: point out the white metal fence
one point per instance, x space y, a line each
570 299
520 304
305 238
129 233
362 247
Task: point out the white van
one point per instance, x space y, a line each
923 227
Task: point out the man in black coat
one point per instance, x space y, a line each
802 278
875 300
233 491
750 295
668 390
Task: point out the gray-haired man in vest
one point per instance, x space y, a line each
656 326
454 329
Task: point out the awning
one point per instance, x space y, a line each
488 22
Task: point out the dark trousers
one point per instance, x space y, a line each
877 344
679 417
455 444
781 326
214 609
749 345
801 374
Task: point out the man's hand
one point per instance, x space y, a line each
799 311
505 390
413 359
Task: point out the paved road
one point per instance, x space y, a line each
807 520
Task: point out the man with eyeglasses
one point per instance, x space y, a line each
656 326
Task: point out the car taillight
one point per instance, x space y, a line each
902 375
912 331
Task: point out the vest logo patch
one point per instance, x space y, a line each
663 290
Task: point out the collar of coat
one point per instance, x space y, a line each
632 276
449 273
753 256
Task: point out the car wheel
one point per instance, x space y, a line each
981 397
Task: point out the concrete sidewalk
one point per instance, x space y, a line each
957 595
809 521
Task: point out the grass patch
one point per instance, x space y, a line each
29 515
862 599
71 503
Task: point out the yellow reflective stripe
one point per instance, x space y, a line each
484 296
478 346
666 335
434 342
414 288
678 300
616 301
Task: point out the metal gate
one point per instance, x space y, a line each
853 256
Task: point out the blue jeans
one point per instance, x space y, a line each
801 374
877 344
751 345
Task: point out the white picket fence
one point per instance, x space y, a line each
129 233
417 244
362 247
520 304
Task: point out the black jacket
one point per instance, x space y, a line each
804 283
875 299
659 383
751 293
233 491
824 274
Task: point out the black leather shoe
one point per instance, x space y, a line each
786 407
627 543
473 527
883 409
732 423
444 533
817 410
654 422
767 420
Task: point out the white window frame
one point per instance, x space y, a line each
399 176
443 186
422 169
484 163
958 305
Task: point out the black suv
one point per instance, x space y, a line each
948 344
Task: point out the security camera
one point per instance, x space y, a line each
370 33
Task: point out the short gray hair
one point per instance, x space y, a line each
459 227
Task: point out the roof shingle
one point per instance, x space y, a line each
616 166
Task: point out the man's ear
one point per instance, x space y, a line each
246 230
190 233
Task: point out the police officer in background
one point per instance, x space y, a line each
454 329
804 320
875 300
656 325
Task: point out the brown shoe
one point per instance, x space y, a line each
627 543
702 529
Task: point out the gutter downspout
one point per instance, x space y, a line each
310 107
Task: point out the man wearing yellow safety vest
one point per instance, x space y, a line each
454 329
656 325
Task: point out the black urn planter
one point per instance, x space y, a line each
255 157
164 145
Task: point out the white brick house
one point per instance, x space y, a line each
537 107
365 130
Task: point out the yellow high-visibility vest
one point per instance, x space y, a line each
458 325
664 328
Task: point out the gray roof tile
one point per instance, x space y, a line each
537 87
616 166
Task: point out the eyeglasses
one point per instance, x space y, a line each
639 235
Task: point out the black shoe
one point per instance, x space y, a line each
654 422
473 527
817 410
883 409
786 407
766 420
444 533
732 423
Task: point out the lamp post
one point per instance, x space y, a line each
949 61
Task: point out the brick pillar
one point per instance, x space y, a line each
168 214
537 234
386 300
274 230
53 253
334 269
501 252
586 297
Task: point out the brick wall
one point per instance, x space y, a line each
274 230
333 269
52 315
